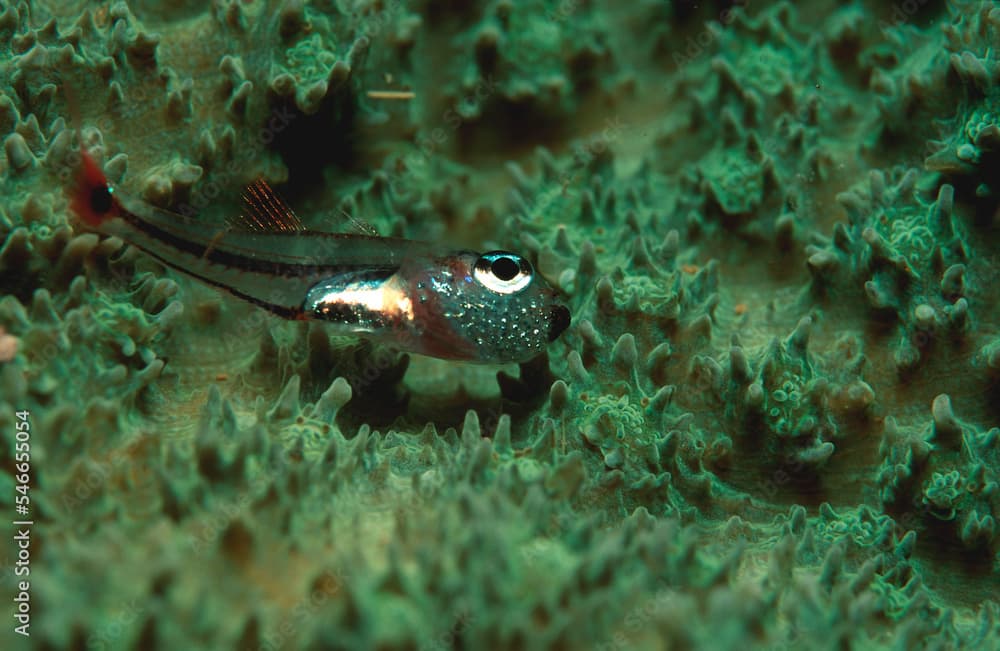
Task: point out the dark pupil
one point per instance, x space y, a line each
504 268
100 199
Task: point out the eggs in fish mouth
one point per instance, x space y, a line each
559 320
507 273
525 315
491 307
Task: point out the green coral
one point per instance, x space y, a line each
773 232
947 474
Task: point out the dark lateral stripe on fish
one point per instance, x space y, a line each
280 310
235 260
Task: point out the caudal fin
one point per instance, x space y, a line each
91 198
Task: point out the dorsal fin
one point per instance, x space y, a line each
359 226
266 212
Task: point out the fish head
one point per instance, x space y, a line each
493 305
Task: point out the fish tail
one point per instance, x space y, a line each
91 198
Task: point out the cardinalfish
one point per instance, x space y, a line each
458 305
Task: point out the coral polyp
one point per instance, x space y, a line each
771 422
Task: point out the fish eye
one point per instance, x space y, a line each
504 268
503 272
100 199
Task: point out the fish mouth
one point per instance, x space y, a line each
559 319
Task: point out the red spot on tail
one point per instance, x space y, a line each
92 200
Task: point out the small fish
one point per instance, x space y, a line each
458 305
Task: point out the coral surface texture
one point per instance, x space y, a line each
771 422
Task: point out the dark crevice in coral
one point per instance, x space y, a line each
313 144
914 12
507 127
451 15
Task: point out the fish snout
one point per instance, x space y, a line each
559 319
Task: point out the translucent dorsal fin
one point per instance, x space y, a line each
265 212
359 226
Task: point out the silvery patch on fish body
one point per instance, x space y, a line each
491 307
